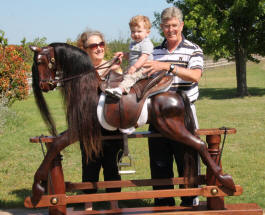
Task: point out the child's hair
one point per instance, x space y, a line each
139 18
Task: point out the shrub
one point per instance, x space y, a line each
13 73
120 45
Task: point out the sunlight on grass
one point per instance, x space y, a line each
243 155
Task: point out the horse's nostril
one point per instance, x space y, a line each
44 87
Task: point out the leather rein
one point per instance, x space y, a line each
52 67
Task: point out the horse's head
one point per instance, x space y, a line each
46 65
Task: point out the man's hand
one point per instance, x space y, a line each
152 67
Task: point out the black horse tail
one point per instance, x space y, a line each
40 101
190 155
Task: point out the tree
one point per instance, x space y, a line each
231 29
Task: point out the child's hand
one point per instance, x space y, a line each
132 70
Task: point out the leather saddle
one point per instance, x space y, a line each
124 113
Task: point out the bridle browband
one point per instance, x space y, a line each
52 67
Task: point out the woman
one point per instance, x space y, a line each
94 44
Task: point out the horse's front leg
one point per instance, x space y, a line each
41 174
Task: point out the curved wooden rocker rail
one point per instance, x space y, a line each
214 193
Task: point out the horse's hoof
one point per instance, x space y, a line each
37 192
228 182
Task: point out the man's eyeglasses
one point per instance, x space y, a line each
174 26
96 45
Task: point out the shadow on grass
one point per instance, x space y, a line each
19 202
228 93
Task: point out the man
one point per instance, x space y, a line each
184 60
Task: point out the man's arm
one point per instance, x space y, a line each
192 75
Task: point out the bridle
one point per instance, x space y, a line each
52 68
49 54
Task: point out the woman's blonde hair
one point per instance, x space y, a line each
171 12
82 39
139 18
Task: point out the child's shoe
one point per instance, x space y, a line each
114 92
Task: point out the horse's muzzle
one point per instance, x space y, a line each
47 86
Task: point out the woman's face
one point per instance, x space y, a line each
96 49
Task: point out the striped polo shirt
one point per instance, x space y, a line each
187 55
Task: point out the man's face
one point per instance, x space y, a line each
172 29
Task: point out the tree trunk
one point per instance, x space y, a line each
241 73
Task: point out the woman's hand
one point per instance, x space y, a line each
117 61
152 67
119 55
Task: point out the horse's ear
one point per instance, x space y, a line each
35 48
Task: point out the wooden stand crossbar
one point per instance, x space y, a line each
213 191
63 199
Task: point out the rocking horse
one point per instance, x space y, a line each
168 112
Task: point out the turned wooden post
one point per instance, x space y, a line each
56 185
214 203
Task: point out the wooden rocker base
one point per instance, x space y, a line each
214 193
230 209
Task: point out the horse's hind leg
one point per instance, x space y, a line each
42 173
169 121
181 134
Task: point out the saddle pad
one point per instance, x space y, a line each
141 120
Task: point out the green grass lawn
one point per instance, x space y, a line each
243 155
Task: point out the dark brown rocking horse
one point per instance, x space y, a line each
80 85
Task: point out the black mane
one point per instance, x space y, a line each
80 96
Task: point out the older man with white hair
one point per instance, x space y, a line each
184 60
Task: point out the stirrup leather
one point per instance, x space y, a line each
126 159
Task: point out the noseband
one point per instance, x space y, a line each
52 67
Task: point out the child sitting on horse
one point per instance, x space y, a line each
140 51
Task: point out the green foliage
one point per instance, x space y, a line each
71 42
231 29
223 27
120 45
13 72
3 40
39 41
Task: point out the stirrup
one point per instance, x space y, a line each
127 157
125 161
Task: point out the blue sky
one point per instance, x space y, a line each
58 20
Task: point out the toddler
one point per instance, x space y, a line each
140 51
